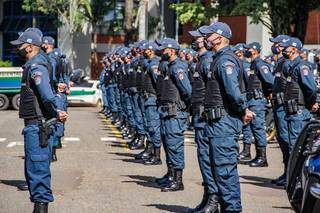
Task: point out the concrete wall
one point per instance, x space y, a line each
79 50
259 33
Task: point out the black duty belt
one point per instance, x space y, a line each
31 122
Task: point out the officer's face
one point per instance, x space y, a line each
239 53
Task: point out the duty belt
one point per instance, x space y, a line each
278 100
31 122
256 94
147 95
212 114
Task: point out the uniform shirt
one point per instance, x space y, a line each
228 72
302 71
203 66
153 68
264 72
180 77
101 78
40 83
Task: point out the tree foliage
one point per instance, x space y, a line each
279 16
71 12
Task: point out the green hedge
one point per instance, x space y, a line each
5 64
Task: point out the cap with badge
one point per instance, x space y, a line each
169 43
150 46
197 33
279 38
217 27
292 42
29 37
239 47
254 45
48 40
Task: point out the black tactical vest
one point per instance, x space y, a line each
280 80
28 100
149 84
254 82
169 91
30 106
198 88
293 90
213 95
140 80
132 81
107 78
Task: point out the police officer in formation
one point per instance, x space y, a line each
225 89
38 108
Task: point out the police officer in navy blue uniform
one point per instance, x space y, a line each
152 151
225 108
259 86
198 81
280 72
175 96
57 79
301 90
37 106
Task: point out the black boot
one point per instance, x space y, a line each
115 118
282 179
40 208
167 177
23 187
176 184
132 134
261 158
146 153
54 155
212 205
139 144
245 155
155 158
59 146
202 203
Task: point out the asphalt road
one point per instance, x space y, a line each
95 172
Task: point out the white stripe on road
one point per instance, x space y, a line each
71 139
188 139
15 143
2 139
111 139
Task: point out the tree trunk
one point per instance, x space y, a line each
128 29
95 71
143 20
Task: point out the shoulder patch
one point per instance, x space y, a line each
155 69
36 76
229 66
304 70
180 73
264 69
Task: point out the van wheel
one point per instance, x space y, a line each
4 102
16 101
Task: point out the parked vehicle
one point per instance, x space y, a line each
10 84
303 174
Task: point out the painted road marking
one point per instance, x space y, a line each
71 139
116 132
2 139
15 143
111 139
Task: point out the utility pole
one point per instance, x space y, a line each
162 29
143 20
177 24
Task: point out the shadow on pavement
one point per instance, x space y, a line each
146 181
260 181
131 155
170 208
14 183
131 161
282 207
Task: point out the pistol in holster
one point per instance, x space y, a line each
46 129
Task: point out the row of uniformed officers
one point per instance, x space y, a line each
150 88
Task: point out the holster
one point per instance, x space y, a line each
292 107
171 109
256 94
212 114
46 129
